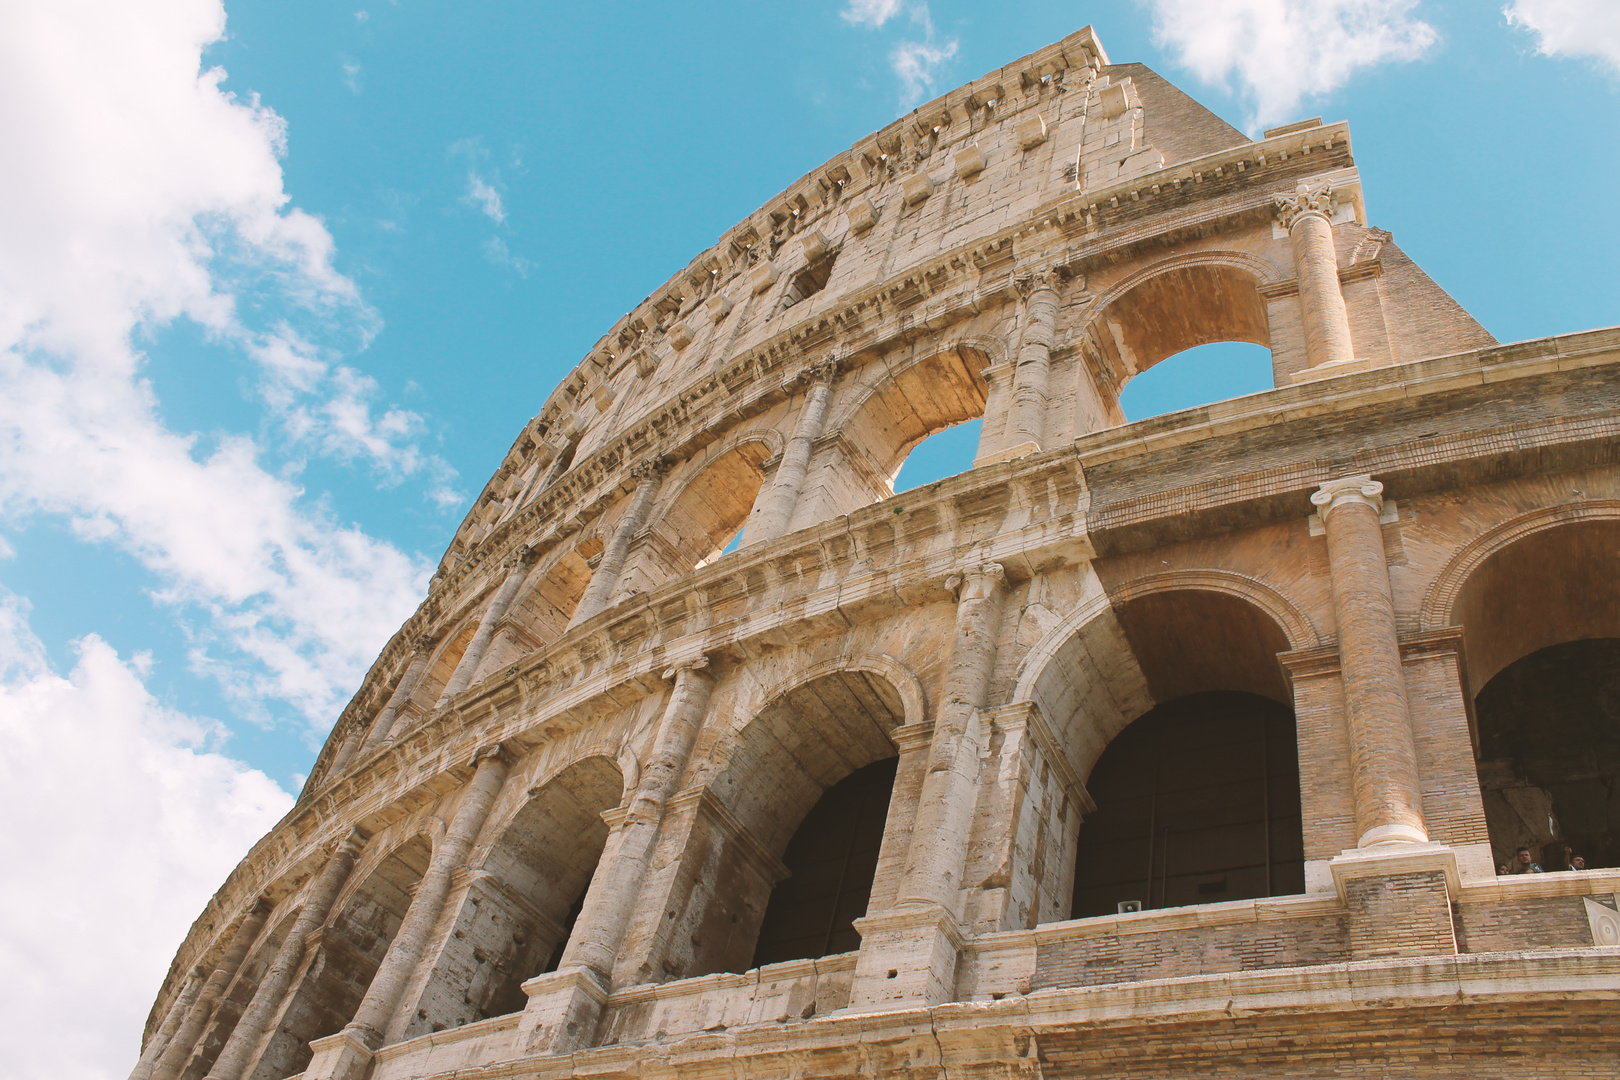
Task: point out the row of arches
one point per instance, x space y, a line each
1189 753
912 413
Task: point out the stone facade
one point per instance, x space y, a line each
545 836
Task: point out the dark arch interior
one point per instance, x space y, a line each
831 859
1549 754
336 976
1197 802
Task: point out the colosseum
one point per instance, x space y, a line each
1207 743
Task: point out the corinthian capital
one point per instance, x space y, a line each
1029 284
1308 200
651 469
820 372
973 582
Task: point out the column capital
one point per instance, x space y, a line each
819 372
650 470
496 752
525 555
1349 489
1031 283
352 844
686 667
1309 199
973 582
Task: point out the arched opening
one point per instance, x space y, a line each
808 781
433 680
1197 802
944 453
338 971
1178 716
521 902
546 857
239 994
702 519
908 405
1167 310
1541 634
831 862
1197 376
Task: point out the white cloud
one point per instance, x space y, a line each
870 12
1579 28
917 63
351 73
126 821
139 192
483 196
1279 52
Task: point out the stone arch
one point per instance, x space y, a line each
700 514
1440 601
811 732
1536 601
523 892
452 645
1294 623
338 970
1097 670
1189 656
896 674
539 614
897 402
1176 304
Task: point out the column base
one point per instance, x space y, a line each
1392 834
344 1056
1398 899
563 1012
908 959
1330 369
1008 454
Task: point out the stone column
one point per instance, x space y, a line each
649 474
1383 762
565 1005
1306 215
370 1023
383 727
1026 419
164 1036
517 568
174 1055
909 953
774 514
940 837
346 752
234 1059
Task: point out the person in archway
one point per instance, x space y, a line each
1524 863
1577 862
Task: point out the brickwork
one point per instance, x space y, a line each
1399 915
1197 950
1507 925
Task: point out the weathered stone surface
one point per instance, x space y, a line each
587 901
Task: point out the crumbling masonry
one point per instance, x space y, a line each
1186 745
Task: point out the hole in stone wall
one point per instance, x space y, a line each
944 453
1198 376
333 982
1549 755
809 281
1197 801
832 859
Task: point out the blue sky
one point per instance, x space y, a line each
281 281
